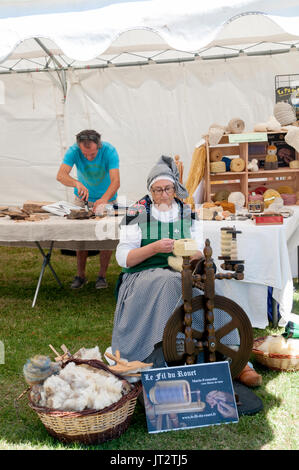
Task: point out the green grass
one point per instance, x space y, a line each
85 318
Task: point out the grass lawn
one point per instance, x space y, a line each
85 318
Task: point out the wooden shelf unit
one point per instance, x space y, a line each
246 181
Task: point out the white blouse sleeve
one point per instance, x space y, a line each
197 234
129 238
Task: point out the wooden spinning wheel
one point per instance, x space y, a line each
182 343
239 321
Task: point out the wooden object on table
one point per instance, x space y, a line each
80 214
196 172
16 214
180 167
61 357
33 207
245 181
124 367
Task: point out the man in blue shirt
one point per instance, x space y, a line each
97 165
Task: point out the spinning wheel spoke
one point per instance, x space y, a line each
227 351
225 330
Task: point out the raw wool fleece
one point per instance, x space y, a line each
280 345
79 387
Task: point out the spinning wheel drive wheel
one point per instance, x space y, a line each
237 321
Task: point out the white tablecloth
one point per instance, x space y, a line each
73 234
265 249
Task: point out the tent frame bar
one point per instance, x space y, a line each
196 57
59 69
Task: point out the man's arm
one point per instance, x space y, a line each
64 177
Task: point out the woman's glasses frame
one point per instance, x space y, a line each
169 190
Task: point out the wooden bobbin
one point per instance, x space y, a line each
237 164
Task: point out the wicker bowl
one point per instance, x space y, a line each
273 361
90 426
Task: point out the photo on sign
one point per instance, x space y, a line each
188 396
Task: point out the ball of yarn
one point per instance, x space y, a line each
215 155
235 126
294 164
284 113
238 199
37 369
217 167
269 197
221 195
285 190
227 162
289 199
237 164
260 190
255 197
227 206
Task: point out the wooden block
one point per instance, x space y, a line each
35 206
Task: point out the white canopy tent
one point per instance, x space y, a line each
150 76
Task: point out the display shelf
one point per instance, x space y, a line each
246 181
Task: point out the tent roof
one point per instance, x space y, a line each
58 34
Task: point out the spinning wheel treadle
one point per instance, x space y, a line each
238 321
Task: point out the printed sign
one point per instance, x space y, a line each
188 396
251 137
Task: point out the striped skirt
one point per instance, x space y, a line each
145 302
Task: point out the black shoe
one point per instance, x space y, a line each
101 283
78 282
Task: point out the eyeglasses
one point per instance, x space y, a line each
92 138
168 190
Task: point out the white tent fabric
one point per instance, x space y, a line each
143 111
85 29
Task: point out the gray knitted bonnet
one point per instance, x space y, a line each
166 166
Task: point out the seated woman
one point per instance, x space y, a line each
150 290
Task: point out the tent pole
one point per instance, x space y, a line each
60 69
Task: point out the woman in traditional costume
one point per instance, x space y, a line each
149 290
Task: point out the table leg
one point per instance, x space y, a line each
274 313
46 262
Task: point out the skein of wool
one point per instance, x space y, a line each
284 113
196 172
238 199
221 195
215 155
38 368
235 126
237 164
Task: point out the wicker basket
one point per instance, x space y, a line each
90 426
273 361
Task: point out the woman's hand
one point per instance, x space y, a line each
165 245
